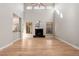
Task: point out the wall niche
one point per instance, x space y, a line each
29 27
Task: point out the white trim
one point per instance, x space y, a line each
1 48
74 46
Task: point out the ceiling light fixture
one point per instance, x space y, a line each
29 7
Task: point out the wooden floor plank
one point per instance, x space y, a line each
39 47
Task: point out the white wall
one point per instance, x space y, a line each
67 27
6 18
35 15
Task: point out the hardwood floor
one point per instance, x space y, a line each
39 47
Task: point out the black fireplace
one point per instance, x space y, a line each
39 33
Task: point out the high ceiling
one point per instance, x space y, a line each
45 5
32 4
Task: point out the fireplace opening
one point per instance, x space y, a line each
39 33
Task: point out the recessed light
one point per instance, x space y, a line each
29 7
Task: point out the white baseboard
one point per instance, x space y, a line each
8 44
74 46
